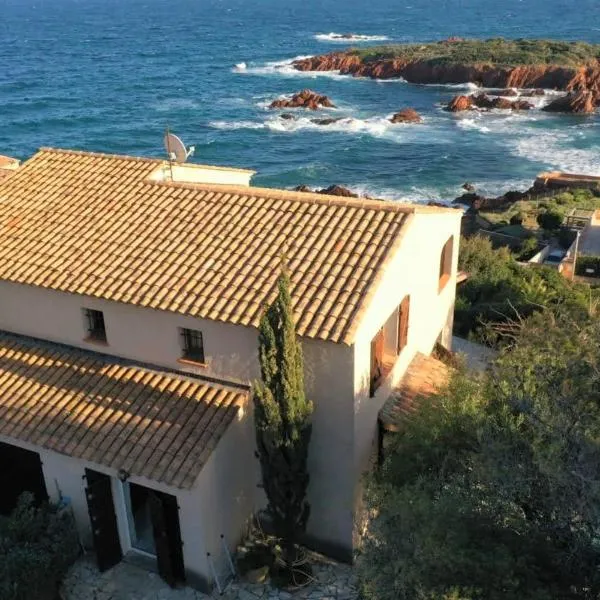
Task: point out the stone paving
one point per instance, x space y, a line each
333 581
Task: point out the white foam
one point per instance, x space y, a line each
233 125
240 67
375 126
551 149
285 68
346 38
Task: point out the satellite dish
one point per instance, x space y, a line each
176 149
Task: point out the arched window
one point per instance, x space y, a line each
446 263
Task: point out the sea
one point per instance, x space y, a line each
112 75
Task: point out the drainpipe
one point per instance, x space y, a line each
575 255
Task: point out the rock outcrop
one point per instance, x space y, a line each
537 77
460 103
304 99
576 102
407 115
332 190
478 202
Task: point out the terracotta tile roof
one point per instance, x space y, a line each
424 377
151 423
94 224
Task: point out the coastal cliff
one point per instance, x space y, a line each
575 68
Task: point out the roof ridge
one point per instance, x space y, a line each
145 159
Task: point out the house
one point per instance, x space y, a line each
131 292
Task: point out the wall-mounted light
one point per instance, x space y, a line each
123 475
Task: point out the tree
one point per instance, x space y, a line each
492 490
37 546
283 420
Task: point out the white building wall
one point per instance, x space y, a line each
415 271
64 478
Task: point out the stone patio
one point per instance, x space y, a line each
333 581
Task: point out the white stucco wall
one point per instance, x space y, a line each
133 332
64 477
414 270
224 494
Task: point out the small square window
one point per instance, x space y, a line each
192 345
94 320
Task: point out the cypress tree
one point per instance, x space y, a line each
283 421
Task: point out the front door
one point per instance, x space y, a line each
103 519
167 537
20 471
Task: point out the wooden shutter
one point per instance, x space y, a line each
403 318
167 537
104 521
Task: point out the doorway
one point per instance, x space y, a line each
154 530
20 471
139 518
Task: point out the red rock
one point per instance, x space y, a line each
407 115
338 190
507 92
582 102
460 103
484 101
537 77
304 99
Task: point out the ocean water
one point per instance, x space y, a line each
110 75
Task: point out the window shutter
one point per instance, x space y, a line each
403 319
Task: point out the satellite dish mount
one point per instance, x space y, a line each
176 150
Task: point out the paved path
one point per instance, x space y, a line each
333 581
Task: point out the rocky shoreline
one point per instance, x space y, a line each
570 79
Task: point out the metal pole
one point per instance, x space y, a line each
575 254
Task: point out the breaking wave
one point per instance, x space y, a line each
551 149
233 125
349 37
284 68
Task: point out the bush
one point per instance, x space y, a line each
529 248
37 546
550 220
499 289
490 491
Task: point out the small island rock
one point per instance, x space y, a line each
304 99
407 115
460 103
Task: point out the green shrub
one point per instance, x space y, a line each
37 546
550 220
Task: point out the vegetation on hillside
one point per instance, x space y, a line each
491 491
527 211
282 416
496 51
500 290
37 545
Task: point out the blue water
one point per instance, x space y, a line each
110 75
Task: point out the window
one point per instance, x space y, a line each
95 325
192 344
446 263
387 345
